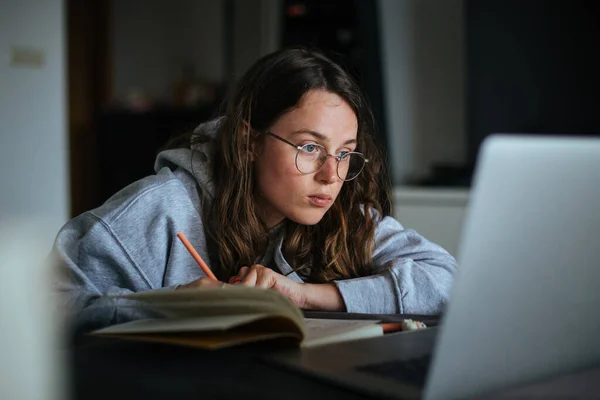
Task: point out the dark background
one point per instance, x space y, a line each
532 67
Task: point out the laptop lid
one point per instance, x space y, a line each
525 303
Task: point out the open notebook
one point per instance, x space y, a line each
214 318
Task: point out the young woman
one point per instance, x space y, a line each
284 191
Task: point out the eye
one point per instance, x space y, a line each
343 155
310 148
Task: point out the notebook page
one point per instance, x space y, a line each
325 331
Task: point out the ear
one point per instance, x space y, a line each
254 146
247 128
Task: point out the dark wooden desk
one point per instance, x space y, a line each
105 368
429 320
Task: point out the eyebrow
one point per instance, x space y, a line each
320 136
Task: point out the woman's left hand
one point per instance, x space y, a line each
261 276
322 296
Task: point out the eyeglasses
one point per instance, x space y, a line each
311 157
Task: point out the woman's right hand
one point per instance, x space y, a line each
201 283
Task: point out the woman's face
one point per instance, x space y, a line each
283 191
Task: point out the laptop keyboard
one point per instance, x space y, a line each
409 371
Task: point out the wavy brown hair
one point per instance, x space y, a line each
339 246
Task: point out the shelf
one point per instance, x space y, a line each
443 196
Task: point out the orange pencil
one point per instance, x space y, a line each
391 327
196 256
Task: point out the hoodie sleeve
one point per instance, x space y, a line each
412 275
93 265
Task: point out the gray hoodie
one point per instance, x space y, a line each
129 245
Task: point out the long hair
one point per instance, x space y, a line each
339 246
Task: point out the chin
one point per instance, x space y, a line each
307 218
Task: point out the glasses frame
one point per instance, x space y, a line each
337 157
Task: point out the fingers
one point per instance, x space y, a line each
241 274
209 282
265 277
249 277
260 276
201 283
257 275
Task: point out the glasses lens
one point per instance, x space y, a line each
350 165
310 158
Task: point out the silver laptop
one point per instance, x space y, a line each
525 302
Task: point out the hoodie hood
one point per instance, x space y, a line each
197 160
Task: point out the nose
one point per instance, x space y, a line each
328 172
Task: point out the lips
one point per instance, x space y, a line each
320 200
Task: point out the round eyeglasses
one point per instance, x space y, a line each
311 157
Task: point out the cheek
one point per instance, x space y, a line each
276 174
338 188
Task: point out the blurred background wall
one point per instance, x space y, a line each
152 41
423 59
92 90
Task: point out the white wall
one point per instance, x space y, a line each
33 138
423 69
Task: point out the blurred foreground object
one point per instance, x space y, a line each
30 365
